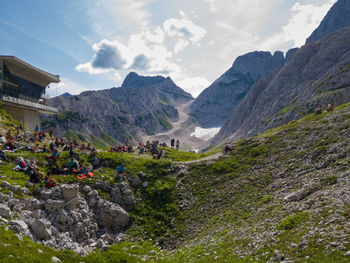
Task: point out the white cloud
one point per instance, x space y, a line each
306 18
66 85
194 85
184 28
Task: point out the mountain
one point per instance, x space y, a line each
337 17
66 94
316 74
214 104
142 106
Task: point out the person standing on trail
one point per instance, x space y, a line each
177 144
172 143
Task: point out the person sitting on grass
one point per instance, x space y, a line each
10 145
46 149
36 176
49 181
330 107
73 154
121 170
21 165
73 165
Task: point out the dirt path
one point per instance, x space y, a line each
183 117
181 130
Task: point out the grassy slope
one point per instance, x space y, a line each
230 210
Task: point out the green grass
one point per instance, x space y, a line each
293 221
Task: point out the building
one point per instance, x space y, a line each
22 90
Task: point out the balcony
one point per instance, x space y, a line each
28 104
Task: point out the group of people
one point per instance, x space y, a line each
17 136
318 110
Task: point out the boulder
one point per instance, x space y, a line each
301 194
113 217
134 180
54 206
55 260
69 191
40 227
5 211
86 189
19 226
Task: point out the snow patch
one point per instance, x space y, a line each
205 133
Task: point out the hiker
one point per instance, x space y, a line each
330 107
318 110
161 154
177 144
121 169
36 176
73 154
120 173
49 182
51 132
45 149
228 148
142 149
172 143
73 165
21 165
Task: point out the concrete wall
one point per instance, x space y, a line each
28 117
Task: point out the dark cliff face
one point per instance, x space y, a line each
121 113
337 17
215 103
317 74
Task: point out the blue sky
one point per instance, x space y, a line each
93 44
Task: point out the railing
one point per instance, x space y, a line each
27 103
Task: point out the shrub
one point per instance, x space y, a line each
293 220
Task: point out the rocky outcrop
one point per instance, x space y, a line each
338 17
67 217
215 103
142 106
317 74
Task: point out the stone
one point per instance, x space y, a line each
113 217
12 202
107 239
347 254
301 194
134 180
29 184
69 191
40 227
86 189
5 211
145 184
54 206
100 244
55 260
6 184
40 251
18 226
4 197
24 190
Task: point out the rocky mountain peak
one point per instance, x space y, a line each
337 17
214 104
133 80
258 63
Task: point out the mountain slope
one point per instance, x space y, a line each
139 107
317 74
337 17
214 104
280 196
